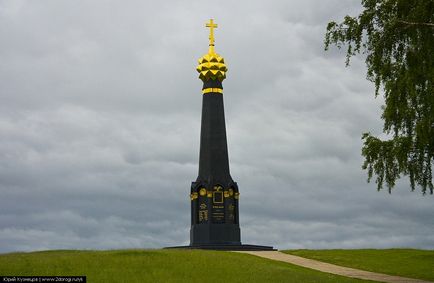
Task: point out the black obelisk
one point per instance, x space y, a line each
214 195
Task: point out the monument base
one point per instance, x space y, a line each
226 247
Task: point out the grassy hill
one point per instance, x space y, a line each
403 262
159 266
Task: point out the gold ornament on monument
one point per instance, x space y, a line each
212 65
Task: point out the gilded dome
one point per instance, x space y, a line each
212 66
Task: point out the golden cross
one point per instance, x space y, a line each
211 25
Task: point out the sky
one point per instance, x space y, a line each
100 126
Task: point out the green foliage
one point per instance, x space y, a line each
397 37
160 266
402 262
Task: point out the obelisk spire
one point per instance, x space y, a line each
214 195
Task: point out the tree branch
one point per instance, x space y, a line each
415 23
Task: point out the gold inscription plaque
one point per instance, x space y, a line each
203 212
203 215
217 195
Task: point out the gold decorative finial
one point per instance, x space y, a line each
211 25
212 65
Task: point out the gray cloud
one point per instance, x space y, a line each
100 124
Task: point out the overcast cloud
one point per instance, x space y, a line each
100 123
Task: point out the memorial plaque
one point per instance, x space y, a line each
203 213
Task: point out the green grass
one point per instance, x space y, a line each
403 262
160 266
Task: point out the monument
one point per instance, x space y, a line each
214 195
